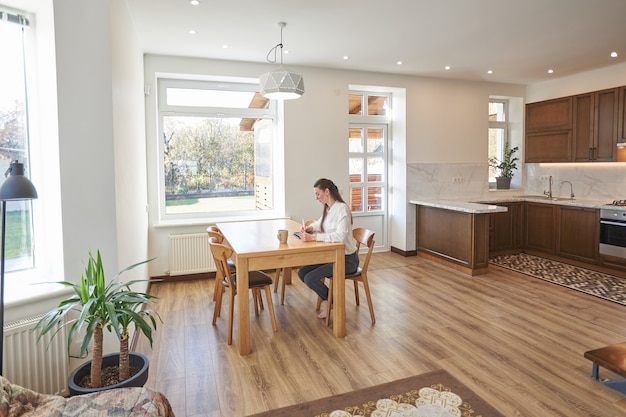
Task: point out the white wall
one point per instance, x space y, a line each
445 122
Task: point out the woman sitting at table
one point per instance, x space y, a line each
335 225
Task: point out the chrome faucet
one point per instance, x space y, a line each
549 192
571 189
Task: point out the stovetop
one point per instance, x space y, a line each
617 203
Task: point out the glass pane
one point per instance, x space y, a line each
374 198
215 165
375 169
496 112
375 140
496 146
355 140
377 105
356 199
355 104
14 145
197 97
355 169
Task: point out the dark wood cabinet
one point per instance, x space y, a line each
505 229
621 117
540 227
549 115
596 124
578 233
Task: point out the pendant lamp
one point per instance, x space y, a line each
281 84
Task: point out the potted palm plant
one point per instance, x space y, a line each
505 167
97 305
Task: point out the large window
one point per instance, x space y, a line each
367 146
217 149
14 138
498 133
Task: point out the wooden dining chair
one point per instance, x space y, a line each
363 237
281 272
257 281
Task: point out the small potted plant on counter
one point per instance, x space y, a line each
505 167
95 306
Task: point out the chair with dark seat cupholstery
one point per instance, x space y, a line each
257 281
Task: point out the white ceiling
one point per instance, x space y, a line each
519 40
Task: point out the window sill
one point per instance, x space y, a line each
212 220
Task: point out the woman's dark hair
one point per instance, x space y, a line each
326 184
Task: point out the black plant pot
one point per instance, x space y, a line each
138 380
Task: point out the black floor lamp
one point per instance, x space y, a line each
15 187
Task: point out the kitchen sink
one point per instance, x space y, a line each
543 197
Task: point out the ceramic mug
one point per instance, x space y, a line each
283 235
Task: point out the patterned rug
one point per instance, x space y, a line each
435 394
601 285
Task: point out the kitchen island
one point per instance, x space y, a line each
454 233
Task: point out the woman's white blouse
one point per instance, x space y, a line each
337 227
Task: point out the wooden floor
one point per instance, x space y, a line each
516 341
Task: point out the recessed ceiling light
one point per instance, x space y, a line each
399 63
286 51
447 68
224 46
489 72
613 54
345 57
550 71
194 2
192 32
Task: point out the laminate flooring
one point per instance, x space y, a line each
514 340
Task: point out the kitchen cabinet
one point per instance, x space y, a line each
505 229
549 115
595 126
621 117
540 227
578 233
549 146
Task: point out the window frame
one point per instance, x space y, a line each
271 113
504 126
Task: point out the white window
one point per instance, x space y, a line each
367 147
14 138
498 133
217 150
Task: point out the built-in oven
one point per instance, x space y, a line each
613 232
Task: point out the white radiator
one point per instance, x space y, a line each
190 254
42 366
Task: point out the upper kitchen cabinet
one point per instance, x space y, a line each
550 115
595 126
581 128
549 131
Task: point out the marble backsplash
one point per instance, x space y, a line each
602 181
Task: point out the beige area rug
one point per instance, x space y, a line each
608 287
435 394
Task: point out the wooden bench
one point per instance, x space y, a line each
613 358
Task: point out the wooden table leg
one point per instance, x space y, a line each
243 312
339 294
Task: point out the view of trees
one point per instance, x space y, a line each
207 154
12 133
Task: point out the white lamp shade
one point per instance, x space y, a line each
282 85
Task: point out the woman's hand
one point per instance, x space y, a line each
308 237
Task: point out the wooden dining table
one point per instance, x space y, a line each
256 247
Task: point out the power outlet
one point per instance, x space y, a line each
545 178
457 180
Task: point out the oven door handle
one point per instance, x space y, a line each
622 224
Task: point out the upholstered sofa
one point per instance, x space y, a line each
16 401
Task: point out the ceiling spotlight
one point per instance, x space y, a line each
192 32
345 57
489 72
399 63
224 46
447 67
550 71
281 84
613 54
194 2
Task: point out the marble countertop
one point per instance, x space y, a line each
489 205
